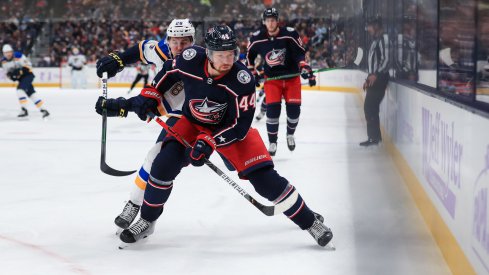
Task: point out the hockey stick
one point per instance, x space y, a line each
103 165
267 210
298 74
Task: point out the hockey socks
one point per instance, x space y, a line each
157 193
293 113
273 114
269 184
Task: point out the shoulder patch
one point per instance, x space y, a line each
189 54
244 77
256 33
290 29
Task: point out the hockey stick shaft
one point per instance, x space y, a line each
267 210
103 164
298 74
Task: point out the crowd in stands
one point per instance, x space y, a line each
88 25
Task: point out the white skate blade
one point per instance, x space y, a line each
119 231
330 247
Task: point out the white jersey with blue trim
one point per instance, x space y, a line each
154 52
18 61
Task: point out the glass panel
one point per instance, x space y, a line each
457 36
427 30
483 53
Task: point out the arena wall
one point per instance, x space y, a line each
443 153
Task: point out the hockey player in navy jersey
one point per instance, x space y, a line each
217 114
19 68
179 35
284 54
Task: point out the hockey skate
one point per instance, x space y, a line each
370 142
127 216
260 115
321 234
139 230
23 113
45 113
272 149
318 216
291 142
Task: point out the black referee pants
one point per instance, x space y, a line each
375 94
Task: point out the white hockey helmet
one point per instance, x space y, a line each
180 28
7 48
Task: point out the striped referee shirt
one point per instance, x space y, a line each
378 55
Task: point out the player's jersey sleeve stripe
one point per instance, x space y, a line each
257 41
141 51
160 53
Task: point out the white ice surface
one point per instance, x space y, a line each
57 207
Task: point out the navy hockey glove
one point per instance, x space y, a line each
312 81
114 106
148 103
306 71
203 148
16 74
112 64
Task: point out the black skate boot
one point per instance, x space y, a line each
128 215
369 142
291 142
45 113
139 230
272 149
23 113
320 233
318 216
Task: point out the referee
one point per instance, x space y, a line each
376 82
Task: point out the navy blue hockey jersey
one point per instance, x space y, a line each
224 104
281 54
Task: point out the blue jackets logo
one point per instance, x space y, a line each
275 57
207 111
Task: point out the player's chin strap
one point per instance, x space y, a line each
267 210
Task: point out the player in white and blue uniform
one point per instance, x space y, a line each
180 35
19 68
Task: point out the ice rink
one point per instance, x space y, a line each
57 208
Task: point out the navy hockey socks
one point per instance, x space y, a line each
293 113
273 114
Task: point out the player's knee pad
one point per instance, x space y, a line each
22 95
273 110
157 192
169 161
293 111
268 183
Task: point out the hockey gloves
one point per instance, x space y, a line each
306 73
112 64
114 106
15 74
202 150
148 103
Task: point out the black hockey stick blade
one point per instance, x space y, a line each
103 165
